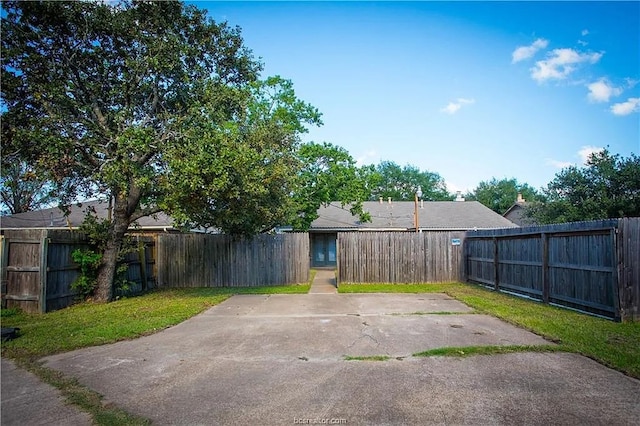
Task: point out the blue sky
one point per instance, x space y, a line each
470 90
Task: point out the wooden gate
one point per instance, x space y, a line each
37 269
21 272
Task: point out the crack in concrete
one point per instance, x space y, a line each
364 335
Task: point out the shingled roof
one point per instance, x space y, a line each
54 217
398 215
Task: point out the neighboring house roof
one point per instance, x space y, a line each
399 215
53 218
515 214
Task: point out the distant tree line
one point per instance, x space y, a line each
607 186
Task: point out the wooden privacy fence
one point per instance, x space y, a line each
37 269
400 257
198 260
590 266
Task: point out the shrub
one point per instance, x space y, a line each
89 262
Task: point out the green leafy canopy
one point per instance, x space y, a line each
500 195
328 173
389 180
153 105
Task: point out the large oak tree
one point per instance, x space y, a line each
153 105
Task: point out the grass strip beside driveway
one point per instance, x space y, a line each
367 358
465 351
616 345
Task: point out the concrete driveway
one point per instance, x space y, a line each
280 359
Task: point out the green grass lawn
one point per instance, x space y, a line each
616 345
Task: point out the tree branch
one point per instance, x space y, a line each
148 211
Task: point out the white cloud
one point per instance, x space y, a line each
584 33
602 91
583 153
560 63
525 52
625 108
455 106
558 164
368 157
631 83
453 188
586 151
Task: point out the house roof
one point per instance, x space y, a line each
399 215
394 216
54 217
515 214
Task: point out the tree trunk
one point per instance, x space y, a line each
107 271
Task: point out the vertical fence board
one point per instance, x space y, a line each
4 261
545 267
44 243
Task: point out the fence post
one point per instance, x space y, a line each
44 249
4 259
464 266
338 257
159 249
545 267
142 257
496 264
617 281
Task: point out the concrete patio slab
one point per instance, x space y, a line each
28 401
510 389
280 360
306 305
